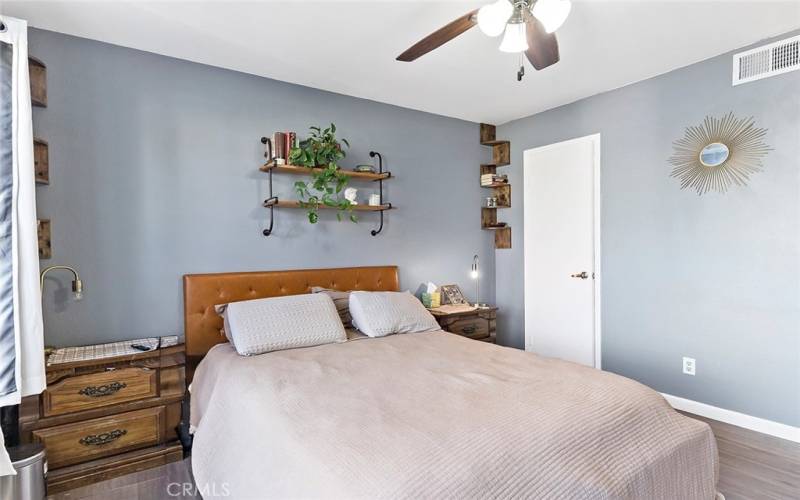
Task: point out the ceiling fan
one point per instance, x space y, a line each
529 27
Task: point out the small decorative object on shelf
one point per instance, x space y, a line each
374 200
364 168
501 190
350 195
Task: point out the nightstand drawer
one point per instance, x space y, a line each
95 390
471 326
83 441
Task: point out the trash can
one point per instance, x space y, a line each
29 462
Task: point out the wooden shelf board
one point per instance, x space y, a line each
495 185
299 170
360 208
494 143
502 238
494 228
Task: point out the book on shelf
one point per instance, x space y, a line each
279 143
291 139
283 142
491 179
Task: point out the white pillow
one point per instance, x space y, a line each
378 314
276 323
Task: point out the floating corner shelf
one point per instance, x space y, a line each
37 72
501 156
45 241
502 238
41 161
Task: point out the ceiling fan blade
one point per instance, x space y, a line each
439 37
542 46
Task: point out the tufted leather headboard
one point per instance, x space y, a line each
201 292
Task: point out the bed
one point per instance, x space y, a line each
421 415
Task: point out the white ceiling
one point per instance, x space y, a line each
350 47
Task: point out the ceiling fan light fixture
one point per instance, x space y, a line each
514 39
492 18
552 13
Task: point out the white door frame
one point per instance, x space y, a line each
594 139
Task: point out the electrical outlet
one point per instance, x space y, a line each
689 365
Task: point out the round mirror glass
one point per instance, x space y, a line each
714 154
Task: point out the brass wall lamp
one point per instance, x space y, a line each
77 284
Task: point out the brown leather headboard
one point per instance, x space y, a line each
201 292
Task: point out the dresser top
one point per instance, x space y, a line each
112 351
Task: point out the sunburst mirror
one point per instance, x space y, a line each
719 153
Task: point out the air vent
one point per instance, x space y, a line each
767 60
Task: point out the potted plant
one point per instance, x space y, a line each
321 149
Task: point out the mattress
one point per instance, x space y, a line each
436 415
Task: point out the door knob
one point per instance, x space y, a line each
583 275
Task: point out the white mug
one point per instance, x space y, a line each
374 199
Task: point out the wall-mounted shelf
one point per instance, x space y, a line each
45 241
501 156
272 202
300 170
275 202
37 72
41 161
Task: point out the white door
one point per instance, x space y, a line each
562 250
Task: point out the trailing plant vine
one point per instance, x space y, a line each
322 150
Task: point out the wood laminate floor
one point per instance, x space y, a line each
753 466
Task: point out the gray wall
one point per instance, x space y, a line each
715 277
154 173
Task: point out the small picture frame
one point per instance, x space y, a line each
451 294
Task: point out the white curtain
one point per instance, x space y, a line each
21 332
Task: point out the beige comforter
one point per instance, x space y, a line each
434 415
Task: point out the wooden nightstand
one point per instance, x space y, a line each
478 324
107 416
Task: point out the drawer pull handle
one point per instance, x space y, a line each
468 329
99 391
103 438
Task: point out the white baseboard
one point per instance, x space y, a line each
761 425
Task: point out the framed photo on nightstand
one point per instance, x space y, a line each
451 294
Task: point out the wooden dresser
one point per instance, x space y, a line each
107 417
478 324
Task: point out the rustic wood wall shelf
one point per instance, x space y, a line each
41 161
298 170
37 72
501 156
273 202
45 241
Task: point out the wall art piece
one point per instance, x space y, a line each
719 153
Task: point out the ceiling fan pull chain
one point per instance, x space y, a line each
521 71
